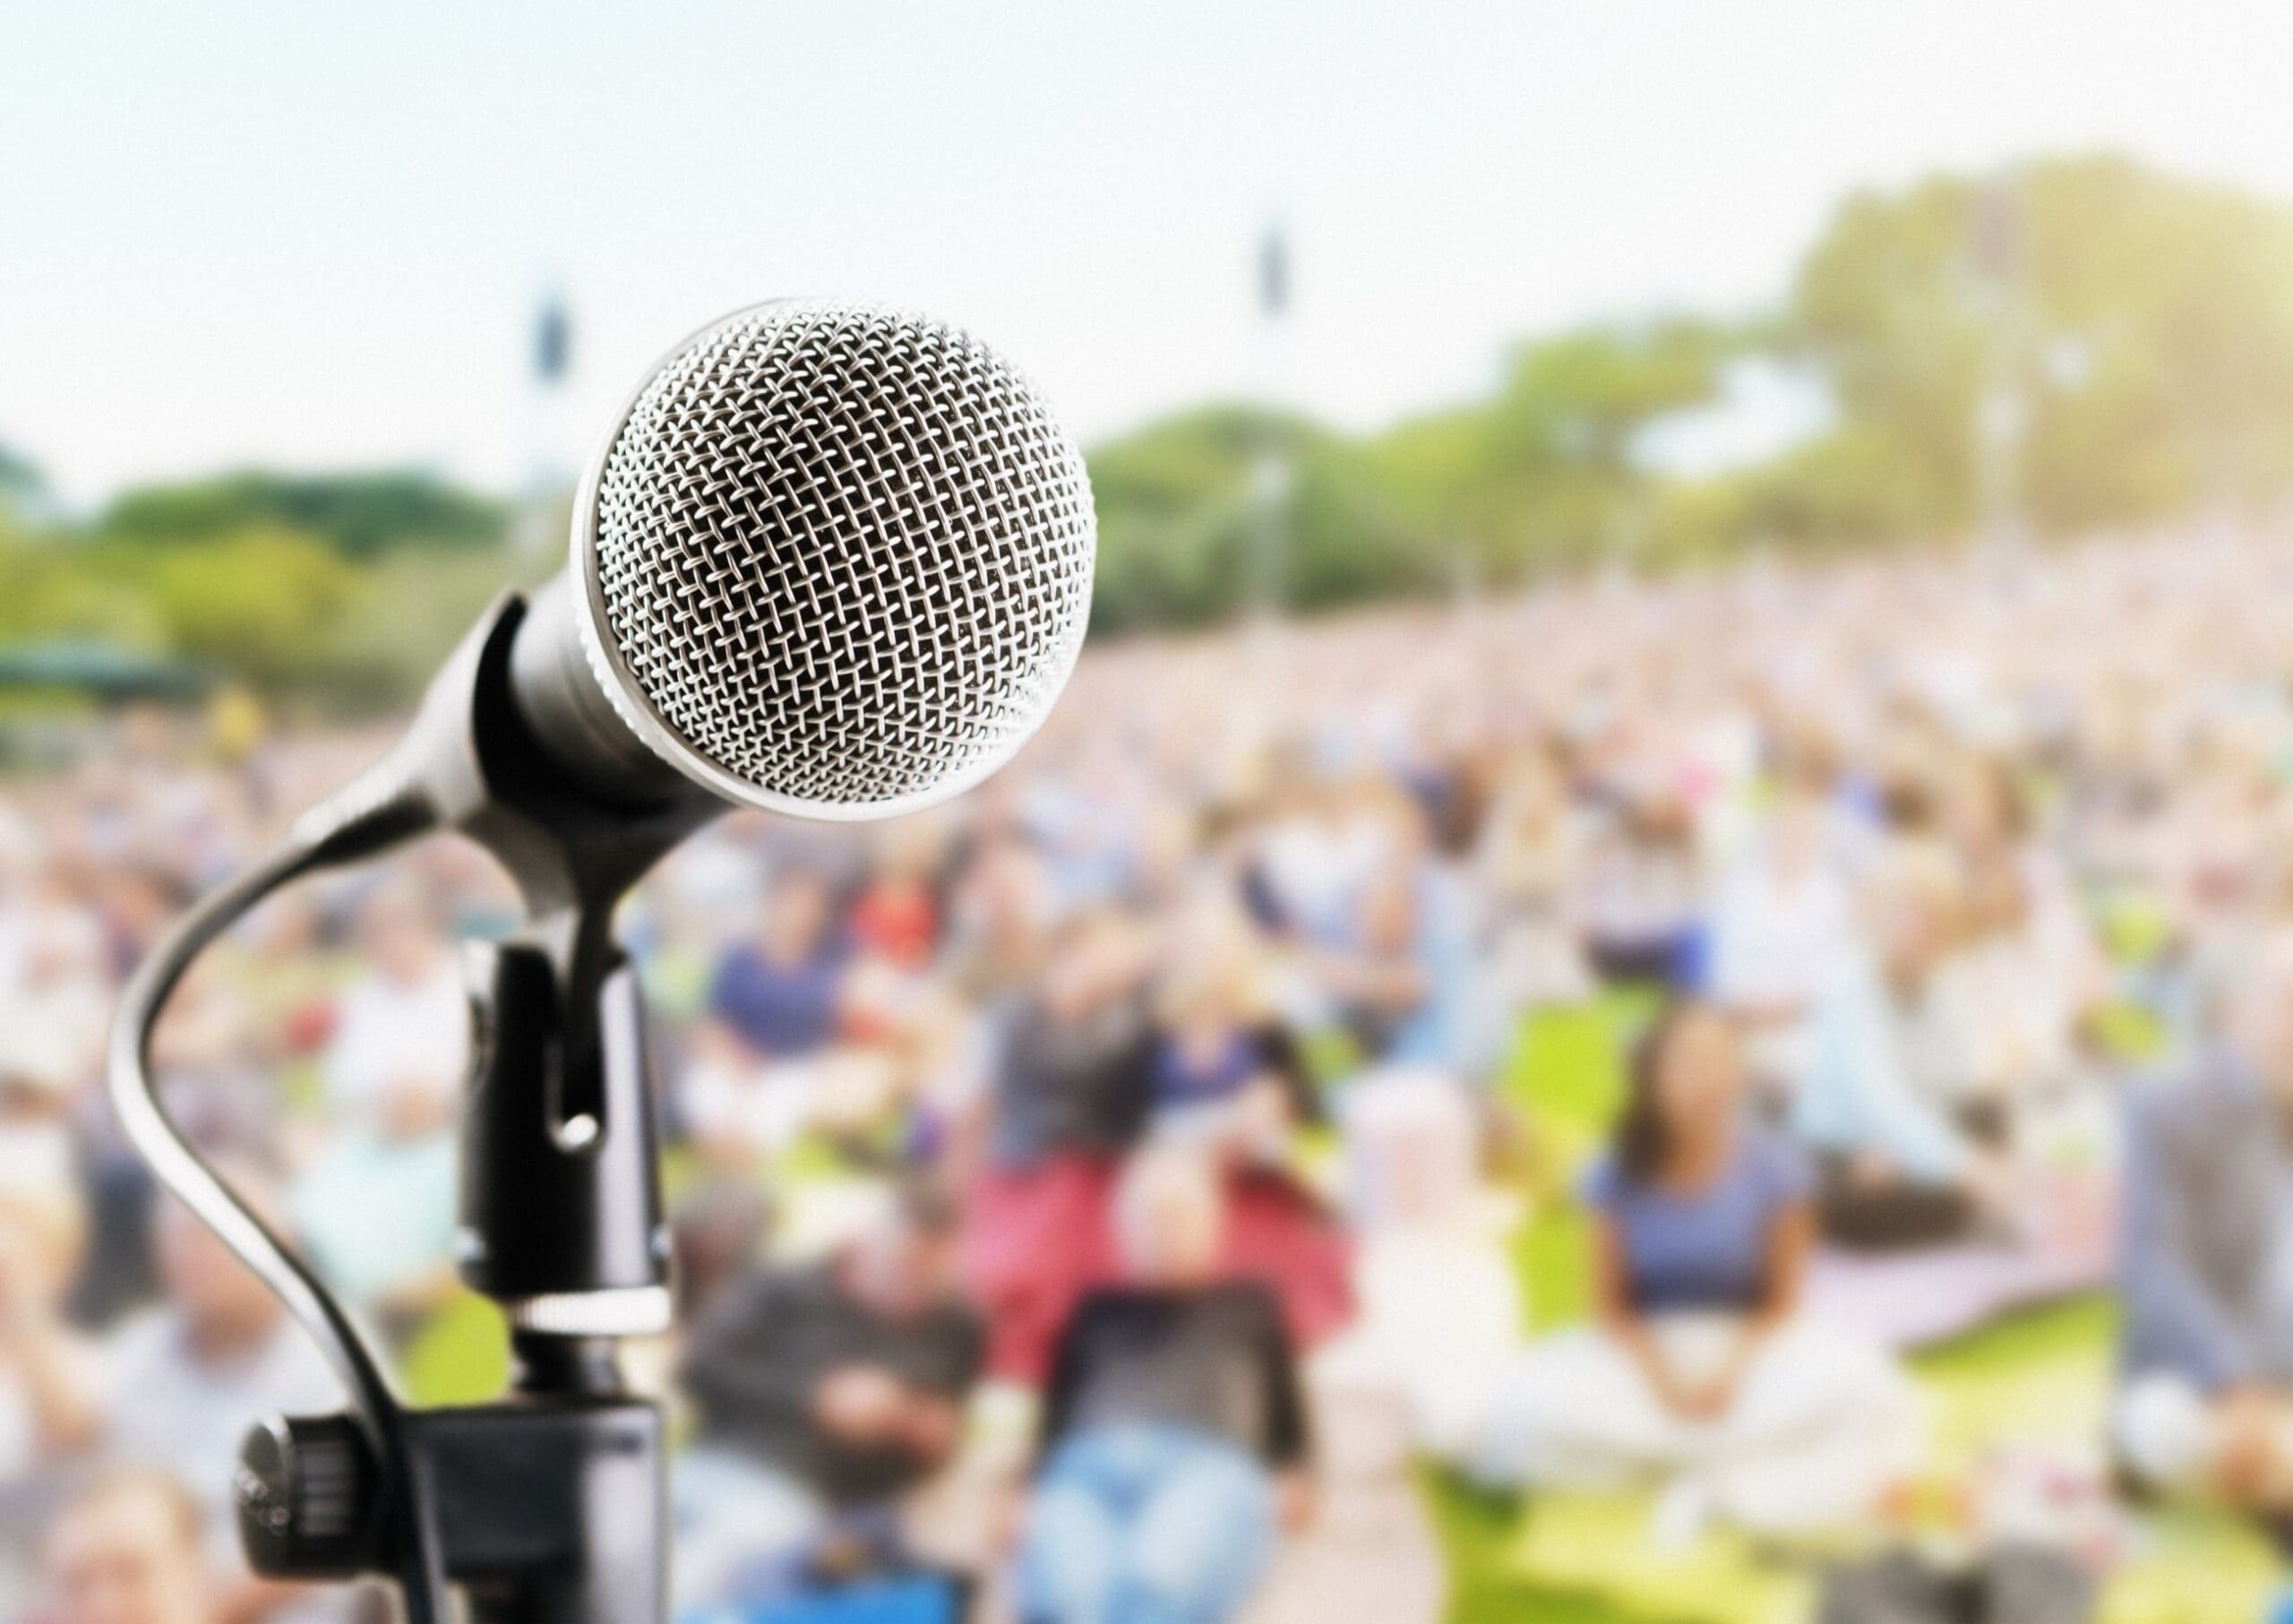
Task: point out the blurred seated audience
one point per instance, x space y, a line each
127 1548
1174 1437
1700 1375
1435 842
821 1396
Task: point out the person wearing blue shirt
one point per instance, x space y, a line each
778 995
1700 1376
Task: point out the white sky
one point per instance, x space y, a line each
284 234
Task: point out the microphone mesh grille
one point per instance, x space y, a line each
844 555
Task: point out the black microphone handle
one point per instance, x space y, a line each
557 691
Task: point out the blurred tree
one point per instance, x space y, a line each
265 604
1178 516
1547 473
2142 324
360 515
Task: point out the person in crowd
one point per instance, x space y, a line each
184 1379
2205 1401
401 1032
896 917
1402 985
1910 1155
2019 989
1070 1061
718 1229
1439 1300
1002 913
755 1077
1702 1374
1640 886
821 1397
1780 924
778 992
128 1548
1320 841
1174 1441
1221 1075
1529 857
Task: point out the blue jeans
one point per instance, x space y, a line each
1145 1524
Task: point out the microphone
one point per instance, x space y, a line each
832 561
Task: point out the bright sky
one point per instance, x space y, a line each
286 234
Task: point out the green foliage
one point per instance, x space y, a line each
2143 323
1541 476
346 589
267 605
60 592
1186 507
360 515
1544 476
406 610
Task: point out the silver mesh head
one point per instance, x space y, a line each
838 559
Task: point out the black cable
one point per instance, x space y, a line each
316 844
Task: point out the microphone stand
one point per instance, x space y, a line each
548 1504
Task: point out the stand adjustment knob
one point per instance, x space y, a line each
306 1497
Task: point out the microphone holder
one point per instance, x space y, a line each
550 1503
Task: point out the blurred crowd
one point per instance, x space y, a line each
1093 1192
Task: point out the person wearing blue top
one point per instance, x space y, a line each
1700 1375
779 993
1221 1074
